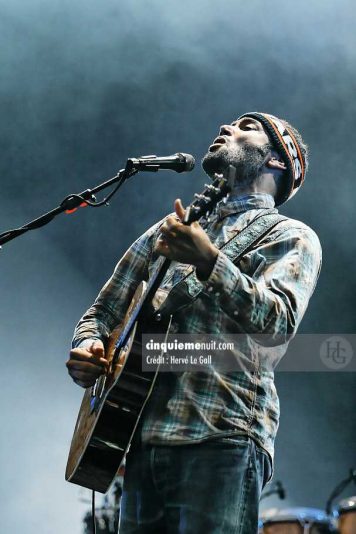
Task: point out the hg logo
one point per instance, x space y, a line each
336 352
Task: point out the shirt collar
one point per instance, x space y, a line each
234 204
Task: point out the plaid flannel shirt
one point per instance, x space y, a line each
266 293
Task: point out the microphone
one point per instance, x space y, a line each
177 162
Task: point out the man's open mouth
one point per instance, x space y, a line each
221 140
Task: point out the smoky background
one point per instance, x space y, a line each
84 86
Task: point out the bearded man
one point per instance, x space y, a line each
204 448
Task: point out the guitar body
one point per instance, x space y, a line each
110 411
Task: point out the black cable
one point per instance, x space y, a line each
106 199
339 489
95 204
93 511
277 488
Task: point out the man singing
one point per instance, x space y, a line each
204 448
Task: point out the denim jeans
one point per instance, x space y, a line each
207 488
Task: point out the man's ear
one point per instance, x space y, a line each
277 163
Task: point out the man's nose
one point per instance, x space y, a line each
226 129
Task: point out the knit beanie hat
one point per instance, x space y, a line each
289 149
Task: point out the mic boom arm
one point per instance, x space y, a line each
178 162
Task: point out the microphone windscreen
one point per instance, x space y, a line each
189 162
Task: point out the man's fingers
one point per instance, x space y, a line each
162 242
97 348
195 225
171 223
179 209
85 366
167 231
162 249
83 355
172 228
84 376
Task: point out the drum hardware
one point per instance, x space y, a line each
346 512
296 521
312 520
340 488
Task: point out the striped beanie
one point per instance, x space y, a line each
288 147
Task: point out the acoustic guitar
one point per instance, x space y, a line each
111 409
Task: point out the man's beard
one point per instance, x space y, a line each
248 161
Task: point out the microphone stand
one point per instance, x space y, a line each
72 202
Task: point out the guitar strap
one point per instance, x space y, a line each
186 291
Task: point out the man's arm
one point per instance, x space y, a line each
87 357
274 303
114 298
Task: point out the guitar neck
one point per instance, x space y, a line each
153 285
144 309
201 206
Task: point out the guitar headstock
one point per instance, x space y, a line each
205 201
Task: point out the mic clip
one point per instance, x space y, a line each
142 164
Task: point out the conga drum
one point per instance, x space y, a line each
347 516
295 521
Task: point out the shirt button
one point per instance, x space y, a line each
217 293
158 317
210 289
236 312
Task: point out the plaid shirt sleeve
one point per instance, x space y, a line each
272 303
114 298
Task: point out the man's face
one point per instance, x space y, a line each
243 144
